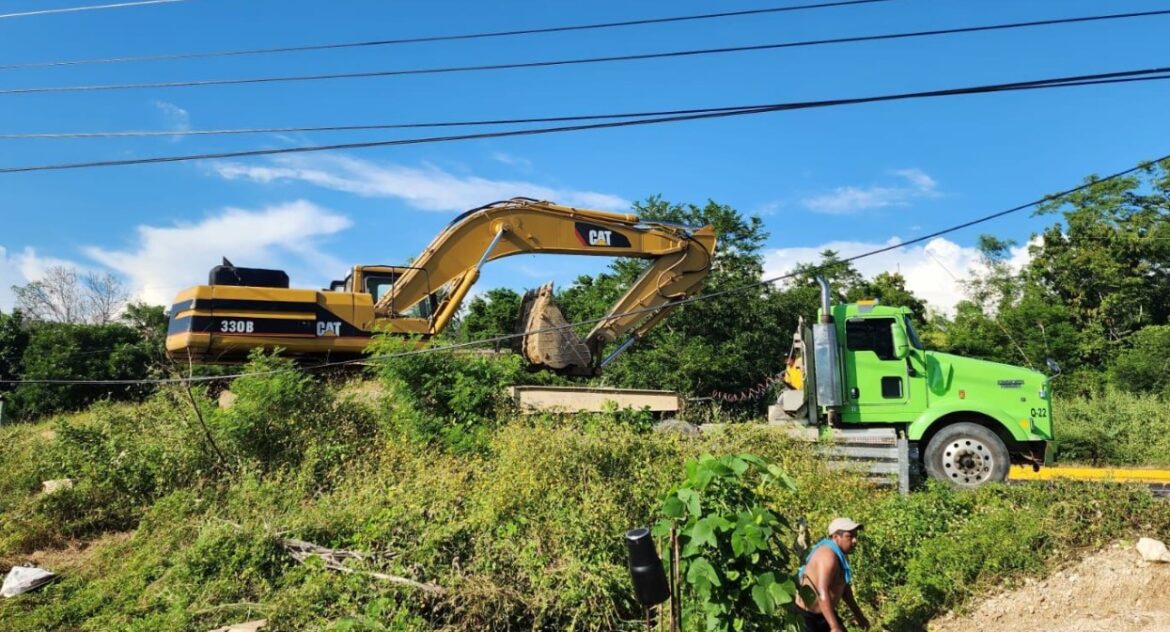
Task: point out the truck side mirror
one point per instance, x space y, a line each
901 343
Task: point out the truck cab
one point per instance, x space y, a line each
967 420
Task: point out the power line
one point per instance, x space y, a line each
1151 74
435 38
92 7
694 299
413 125
378 126
557 62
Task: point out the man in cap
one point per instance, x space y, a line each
827 571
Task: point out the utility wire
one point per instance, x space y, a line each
554 62
694 299
378 126
1150 74
435 124
92 7
434 38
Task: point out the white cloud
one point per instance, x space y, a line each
850 199
25 267
523 164
933 271
174 117
168 259
10 275
428 187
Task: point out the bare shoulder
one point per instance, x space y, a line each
824 556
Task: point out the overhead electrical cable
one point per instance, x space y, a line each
1150 74
402 72
92 7
694 299
435 38
474 122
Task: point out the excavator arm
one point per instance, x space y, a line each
680 257
247 308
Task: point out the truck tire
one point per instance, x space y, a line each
966 455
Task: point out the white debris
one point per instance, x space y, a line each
1153 550
227 399
56 485
22 579
250 626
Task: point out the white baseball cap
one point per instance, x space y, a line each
842 524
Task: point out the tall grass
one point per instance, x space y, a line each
519 519
1113 428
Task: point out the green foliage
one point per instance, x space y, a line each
58 351
1108 260
1113 428
726 344
732 554
1143 367
379 616
493 313
524 533
275 414
13 340
928 553
450 398
62 351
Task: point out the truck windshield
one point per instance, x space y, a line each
913 335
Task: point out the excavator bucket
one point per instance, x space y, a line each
552 344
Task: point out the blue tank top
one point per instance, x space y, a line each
845 568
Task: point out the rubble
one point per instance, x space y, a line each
1113 589
1153 550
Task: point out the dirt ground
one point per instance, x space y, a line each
1113 589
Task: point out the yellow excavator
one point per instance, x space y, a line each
244 308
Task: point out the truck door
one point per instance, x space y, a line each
876 381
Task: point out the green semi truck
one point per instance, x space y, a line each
861 365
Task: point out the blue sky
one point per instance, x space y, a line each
849 177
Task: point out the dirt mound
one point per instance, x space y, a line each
1109 590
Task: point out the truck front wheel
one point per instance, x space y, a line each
966 455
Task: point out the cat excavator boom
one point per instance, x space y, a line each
245 308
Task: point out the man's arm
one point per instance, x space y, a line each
822 571
862 622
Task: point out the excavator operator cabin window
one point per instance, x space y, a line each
870 334
378 285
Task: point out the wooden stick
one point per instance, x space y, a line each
302 550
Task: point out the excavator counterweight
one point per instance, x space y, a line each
245 308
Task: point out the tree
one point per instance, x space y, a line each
66 351
844 279
889 288
1108 263
494 313
65 295
726 343
13 340
1145 366
150 323
1008 317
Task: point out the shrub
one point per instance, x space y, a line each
275 414
452 398
1142 368
1114 427
733 558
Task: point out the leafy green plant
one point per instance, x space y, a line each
733 558
452 398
